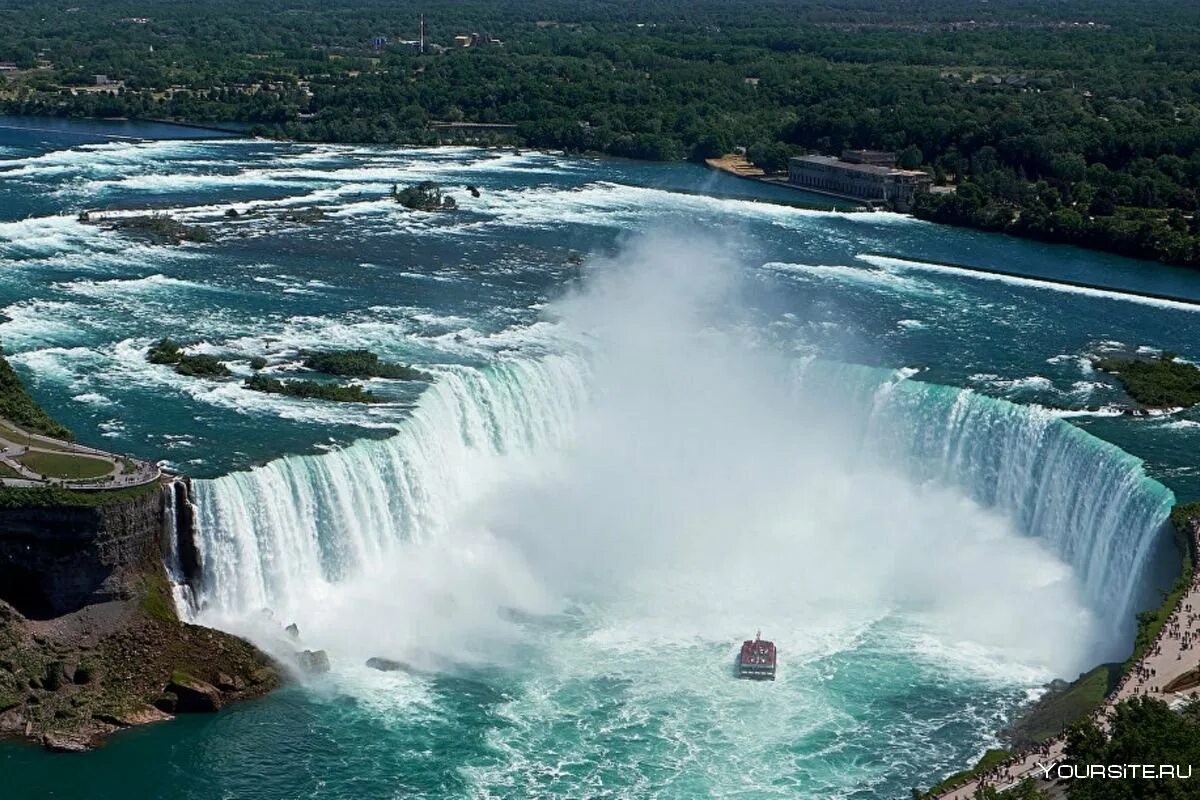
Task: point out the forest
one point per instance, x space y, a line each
1074 121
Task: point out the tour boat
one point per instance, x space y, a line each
757 659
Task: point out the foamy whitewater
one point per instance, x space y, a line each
659 421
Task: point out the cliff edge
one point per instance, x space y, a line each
89 639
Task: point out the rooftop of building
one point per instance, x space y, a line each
885 158
849 166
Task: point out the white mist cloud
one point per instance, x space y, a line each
704 496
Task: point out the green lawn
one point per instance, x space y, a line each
65 465
8 472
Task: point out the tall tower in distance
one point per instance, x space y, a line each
422 48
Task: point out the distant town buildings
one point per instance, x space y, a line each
477 40
867 175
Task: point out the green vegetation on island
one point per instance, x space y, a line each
361 364
348 393
425 196
342 363
1162 382
18 407
166 351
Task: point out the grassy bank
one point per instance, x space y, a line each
17 405
1056 710
1150 623
47 496
990 759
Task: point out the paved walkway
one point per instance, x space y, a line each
1175 652
116 478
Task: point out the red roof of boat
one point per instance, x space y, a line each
757 651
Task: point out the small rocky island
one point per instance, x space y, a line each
90 641
157 228
425 196
166 351
360 364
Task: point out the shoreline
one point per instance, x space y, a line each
226 133
203 126
740 169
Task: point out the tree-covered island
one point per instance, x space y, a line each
166 351
347 393
1160 382
361 364
337 363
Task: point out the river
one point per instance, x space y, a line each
668 409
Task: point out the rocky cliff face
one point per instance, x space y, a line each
57 559
89 639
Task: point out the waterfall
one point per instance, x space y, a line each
177 545
271 534
1088 500
267 536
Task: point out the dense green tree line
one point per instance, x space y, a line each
1144 731
1076 121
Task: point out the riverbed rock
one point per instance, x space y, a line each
388 665
66 743
142 715
292 630
230 683
314 661
194 695
166 702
